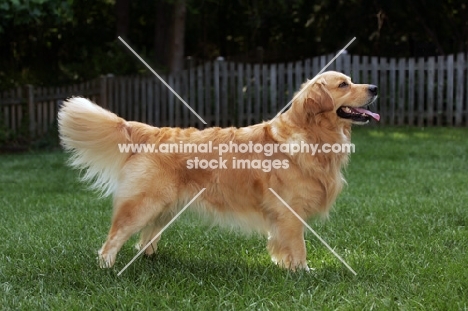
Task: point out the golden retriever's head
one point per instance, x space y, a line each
334 95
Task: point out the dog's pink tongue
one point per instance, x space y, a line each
373 115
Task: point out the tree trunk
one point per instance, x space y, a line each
122 14
169 34
176 43
161 32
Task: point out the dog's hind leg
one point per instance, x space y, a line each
146 235
152 229
130 216
139 202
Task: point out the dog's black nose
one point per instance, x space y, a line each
373 89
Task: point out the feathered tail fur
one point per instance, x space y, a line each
92 135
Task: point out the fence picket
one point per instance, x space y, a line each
307 69
355 73
401 113
421 111
315 66
6 114
440 90
240 94
450 89
249 93
20 110
135 101
365 71
257 87
346 64
207 89
171 102
231 109
430 91
459 88
338 64
383 100
12 116
157 102
200 102
282 98
289 74
411 90
223 100
298 78
416 91
465 103
273 99
264 102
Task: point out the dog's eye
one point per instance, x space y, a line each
343 84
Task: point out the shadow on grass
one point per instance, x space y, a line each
222 272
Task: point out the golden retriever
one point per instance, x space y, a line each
149 188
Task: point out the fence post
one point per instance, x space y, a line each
217 90
103 91
31 109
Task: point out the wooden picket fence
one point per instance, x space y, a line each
420 92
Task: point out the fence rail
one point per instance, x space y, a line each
428 91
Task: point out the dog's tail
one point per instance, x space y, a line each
92 135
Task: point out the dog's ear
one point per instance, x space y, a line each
318 99
314 100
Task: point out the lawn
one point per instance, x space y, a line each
401 223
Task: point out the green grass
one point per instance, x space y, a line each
401 224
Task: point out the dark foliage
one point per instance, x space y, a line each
53 42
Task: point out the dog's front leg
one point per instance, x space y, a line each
286 243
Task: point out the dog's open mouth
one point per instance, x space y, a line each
357 114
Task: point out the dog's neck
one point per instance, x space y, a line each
318 130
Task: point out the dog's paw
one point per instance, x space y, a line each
300 267
308 270
292 265
106 261
150 250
